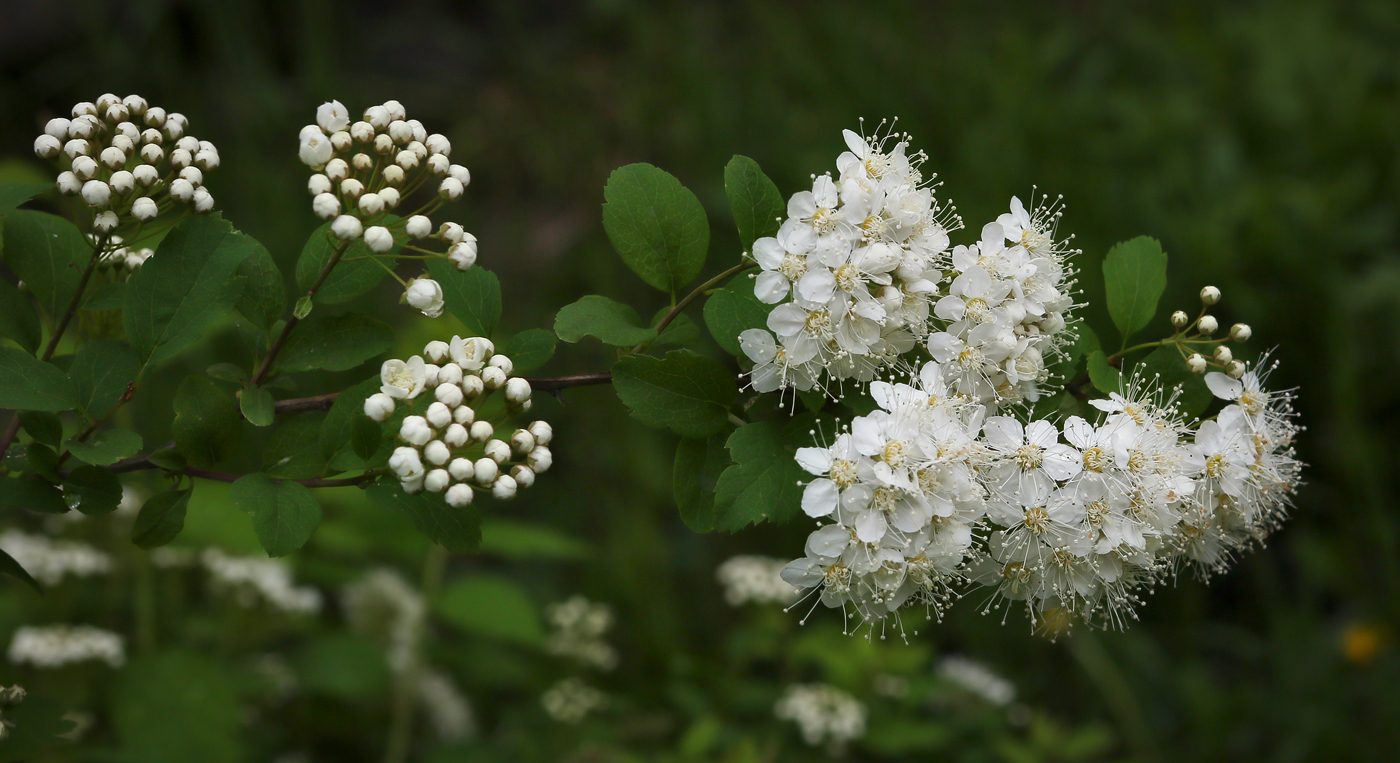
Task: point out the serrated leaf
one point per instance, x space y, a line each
685 392
161 519
763 484
294 451
1134 275
1102 375
206 421
335 342
491 606
106 447
1171 369
8 566
680 332
757 205
100 373
264 293
14 194
18 321
530 349
30 384
611 322
455 529
338 428
473 296
697 467
285 514
43 426
257 406
31 494
656 225
733 310
49 254
186 287
355 275
92 490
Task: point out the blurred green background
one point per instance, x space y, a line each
1257 140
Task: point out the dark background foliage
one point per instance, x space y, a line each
1256 140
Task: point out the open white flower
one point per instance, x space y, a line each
402 379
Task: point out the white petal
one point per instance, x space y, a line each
819 498
768 253
814 460
758 345
1004 431
770 287
870 526
1223 386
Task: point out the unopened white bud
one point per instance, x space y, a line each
472 387
1240 332
502 362
456 435
325 205
383 144
176 124
1210 295
116 113
351 188
332 116
430 375
203 200
419 151
393 175
425 294
436 452
481 431
436 350
152 153
464 415
180 158
182 190
436 480
503 489
84 167
123 143
522 441
122 182
460 173
462 469
1235 369
400 132
390 197
439 144
419 226
155 117
413 486
450 189
341 141
439 415
96 193
69 184
493 378
125 136
451 232
192 174
84 108
47 147
540 459
1197 363
415 430
106 222
378 116
144 209
463 253
542 431
135 104
1223 354
448 394
362 132
361 162
406 160
371 204
439 165
113 157
337 170
485 471
152 137
146 175
1207 324
347 228
523 475
76 147
57 128
517 390
191 144
459 496
395 109
379 407
497 451
106 101
207 160
451 373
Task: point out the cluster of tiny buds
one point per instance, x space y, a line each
121 259
127 158
448 449
1207 325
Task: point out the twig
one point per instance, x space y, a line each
691 297
293 321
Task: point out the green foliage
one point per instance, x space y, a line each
456 529
43 426
188 285
764 483
105 447
611 322
14 194
49 254
18 321
732 310
698 464
656 225
1167 364
521 540
264 295
530 349
1134 275
100 372
344 665
35 725
354 276
493 607
32 494
472 296
758 207
285 514
174 707
106 297
335 343
257 406
206 421
294 451
1102 375
30 384
8 566
92 490
684 392
161 518
339 428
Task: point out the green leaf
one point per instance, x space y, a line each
92 490
456 529
176 707
49 254
656 225
294 452
30 384
698 465
228 372
31 494
344 665
355 275
521 540
1171 369
18 321
473 296
14 194
1104 376
338 428
491 606
161 519
757 205
107 297
36 724
42 460
206 421
612 322
303 308
733 310
1134 275
8 566
680 332
106 447
763 483
186 287
257 406
43 426
530 349
100 373
686 393
264 293
335 342
285 514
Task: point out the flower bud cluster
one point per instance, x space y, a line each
447 448
571 700
1206 326
577 628
128 161
119 259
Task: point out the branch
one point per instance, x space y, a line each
541 383
292 322
142 462
692 296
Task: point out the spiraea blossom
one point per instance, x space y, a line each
386 607
365 170
49 561
577 628
130 163
824 714
571 700
53 646
253 580
754 579
446 447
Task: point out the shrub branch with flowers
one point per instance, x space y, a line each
937 409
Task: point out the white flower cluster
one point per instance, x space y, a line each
252 579
53 646
758 579
853 270
449 711
120 259
384 605
1076 521
50 561
128 160
447 448
823 713
365 169
576 630
976 678
571 700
